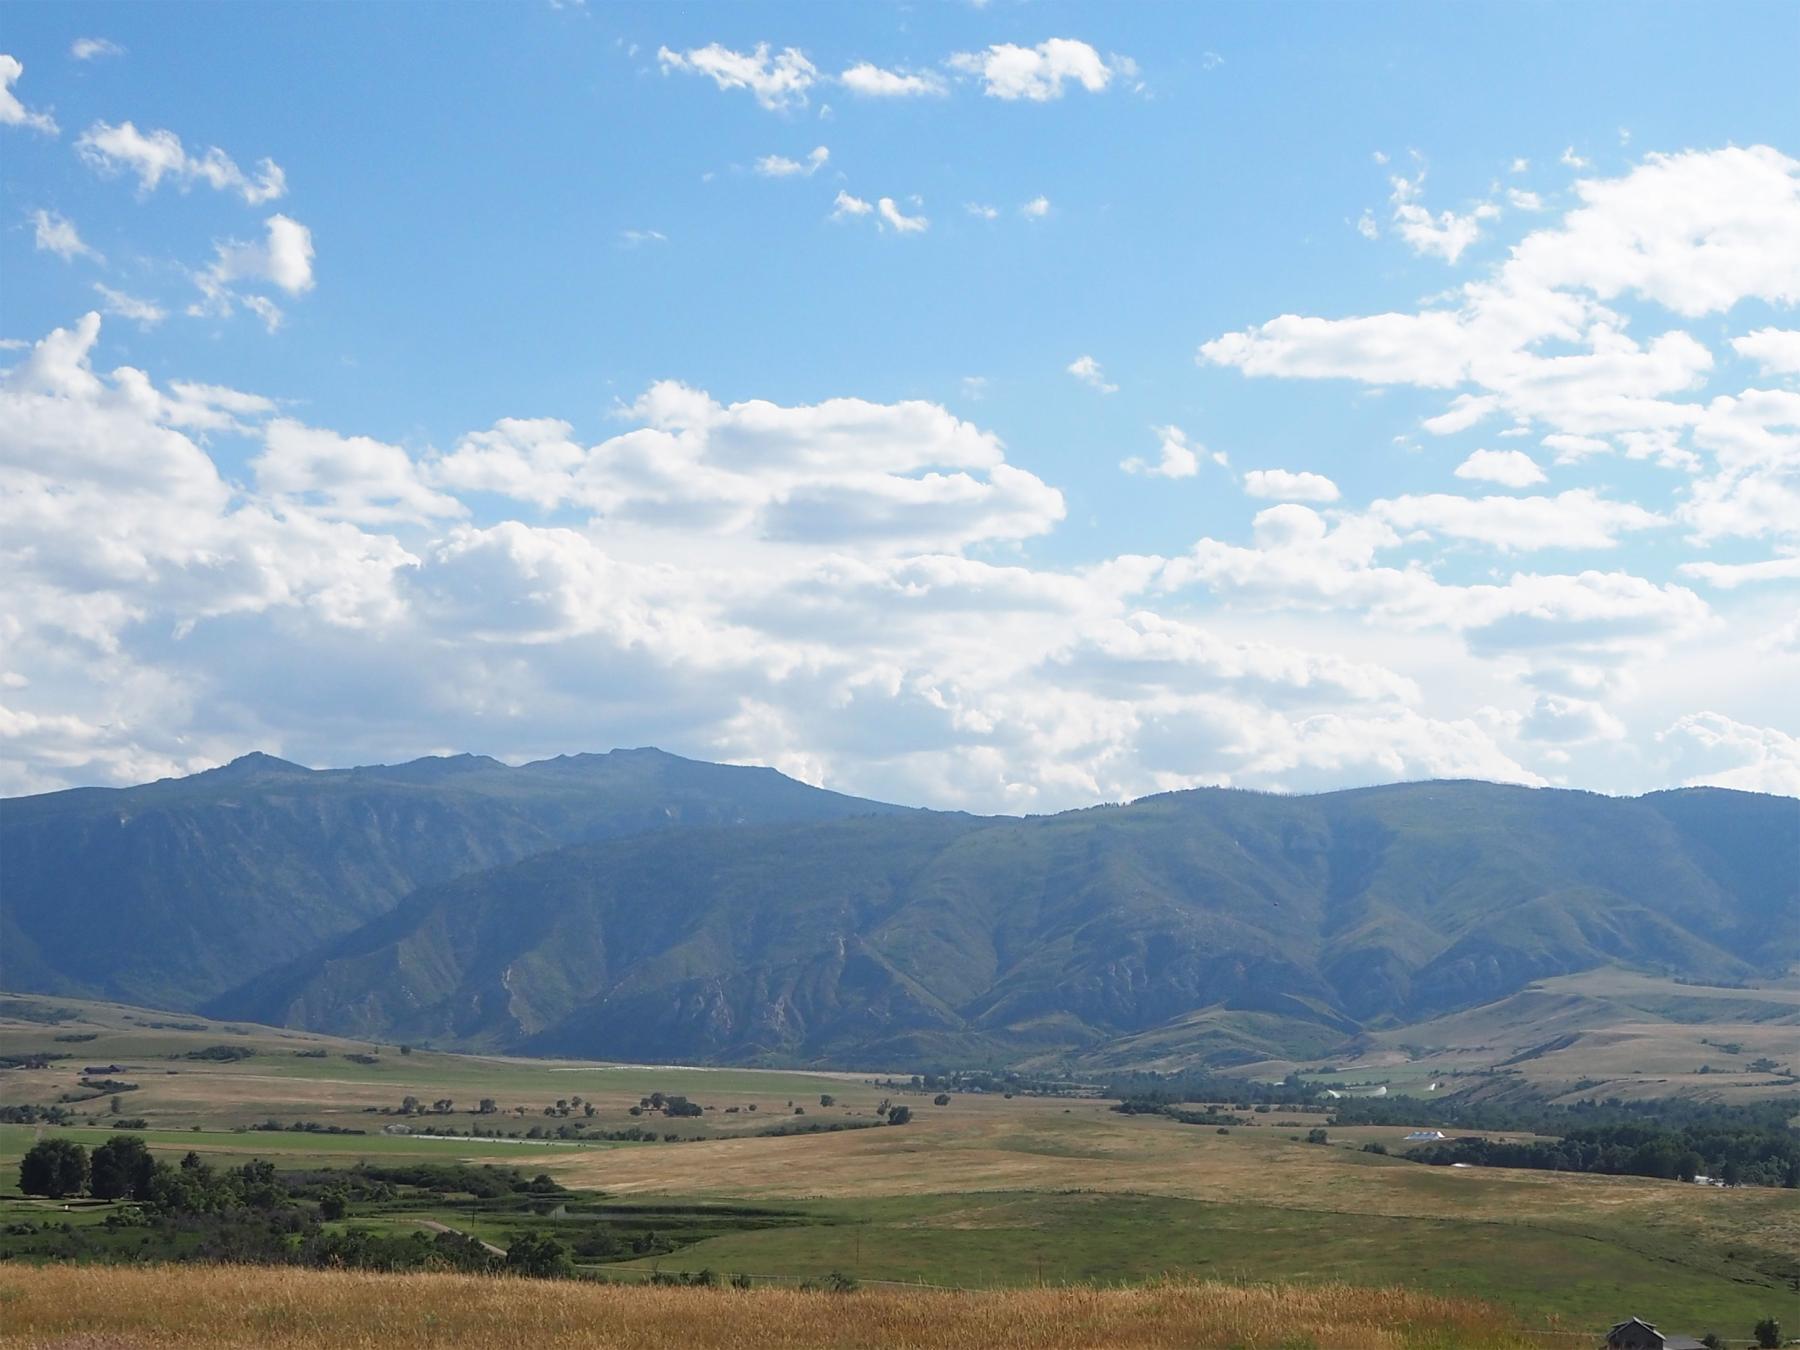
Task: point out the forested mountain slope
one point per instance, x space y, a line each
169 893
924 937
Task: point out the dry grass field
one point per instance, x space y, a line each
1605 1033
1040 1145
212 1308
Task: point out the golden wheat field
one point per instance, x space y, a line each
214 1307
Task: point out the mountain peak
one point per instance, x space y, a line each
432 768
255 764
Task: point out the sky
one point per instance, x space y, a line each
1006 406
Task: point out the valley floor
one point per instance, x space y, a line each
985 1192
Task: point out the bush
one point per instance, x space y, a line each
899 1115
1768 1333
541 1257
1316 1136
942 1099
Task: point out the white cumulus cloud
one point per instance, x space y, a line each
1283 485
1446 235
872 81
1711 748
93 48
1509 468
283 259
13 113
898 220
1086 369
1037 74
844 206
157 155
779 81
55 233
1776 350
779 166
1577 519
144 313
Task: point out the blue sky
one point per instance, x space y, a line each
1006 406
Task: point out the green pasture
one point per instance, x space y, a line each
1586 1277
228 1148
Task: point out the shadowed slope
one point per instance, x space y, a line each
922 938
171 892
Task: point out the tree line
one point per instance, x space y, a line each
1736 1157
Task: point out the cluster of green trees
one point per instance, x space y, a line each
194 1211
1535 1116
27 1113
32 1060
1007 1082
123 1169
1738 1157
1197 1085
272 1125
1150 1106
668 1105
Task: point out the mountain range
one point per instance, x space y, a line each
170 893
636 905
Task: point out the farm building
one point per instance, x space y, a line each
1424 1136
1637 1334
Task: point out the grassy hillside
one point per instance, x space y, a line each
1208 926
171 892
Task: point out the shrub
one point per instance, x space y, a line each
1768 1333
542 1257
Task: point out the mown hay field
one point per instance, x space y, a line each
215 1307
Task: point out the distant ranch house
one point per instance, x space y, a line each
1424 1136
1637 1334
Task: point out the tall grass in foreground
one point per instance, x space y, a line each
208 1307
